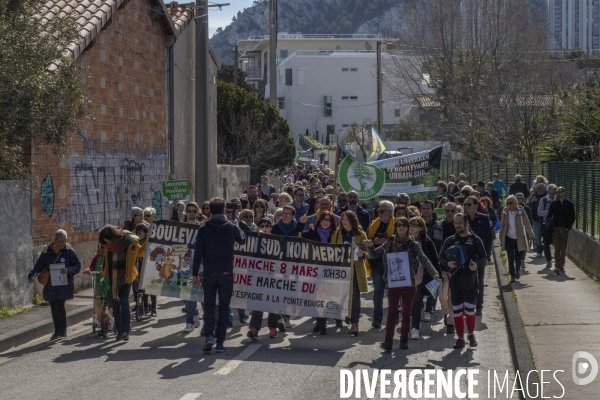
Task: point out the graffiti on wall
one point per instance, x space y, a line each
47 195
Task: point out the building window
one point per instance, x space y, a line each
288 77
328 106
349 69
300 76
349 97
397 111
345 69
283 54
281 103
330 134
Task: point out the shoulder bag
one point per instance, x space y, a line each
44 276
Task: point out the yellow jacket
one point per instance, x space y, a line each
131 262
359 266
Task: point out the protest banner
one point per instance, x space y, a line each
388 177
277 274
176 190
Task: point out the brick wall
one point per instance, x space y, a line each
120 159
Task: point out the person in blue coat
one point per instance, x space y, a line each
58 252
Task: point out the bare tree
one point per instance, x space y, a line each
483 64
359 135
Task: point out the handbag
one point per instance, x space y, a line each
44 276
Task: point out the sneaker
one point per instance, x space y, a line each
427 317
196 321
153 313
472 341
387 346
125 337
63 334
230 324
414 334
55 336
272 333
243 318
281 325
339 323
253 334
450 329
539 255
208 344
512 279
548 264
203 331
518 274
317 328
184 310
323 330
460 343
288 323
403 345
376 323
557 271
220 348
188 328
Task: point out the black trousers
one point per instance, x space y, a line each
121 310
514 255
59 316
220 284
480 278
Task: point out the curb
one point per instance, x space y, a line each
517 338
44 327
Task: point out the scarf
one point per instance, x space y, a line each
400 243
324 234
117 262
287 229
375 226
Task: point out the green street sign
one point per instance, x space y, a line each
176 190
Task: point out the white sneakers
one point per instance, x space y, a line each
188 328
427 317
414 334
196 321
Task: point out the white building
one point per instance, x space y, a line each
324 82
574 24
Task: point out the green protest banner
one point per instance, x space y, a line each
440 214
176 190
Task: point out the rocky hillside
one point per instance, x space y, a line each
321 16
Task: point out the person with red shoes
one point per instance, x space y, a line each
463 253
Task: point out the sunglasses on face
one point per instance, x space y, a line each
342 201
450 211
402 226
147 215
264 226
468 204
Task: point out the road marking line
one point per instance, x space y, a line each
191 396
233 364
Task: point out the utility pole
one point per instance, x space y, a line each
205 146
379 91
273 52
235 65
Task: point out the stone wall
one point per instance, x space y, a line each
585 250
16 243
232 180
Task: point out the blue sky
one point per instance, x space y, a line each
221 19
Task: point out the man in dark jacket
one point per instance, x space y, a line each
534 204
518 186
563 213
480 225
214 249
448 229
364 218
464 282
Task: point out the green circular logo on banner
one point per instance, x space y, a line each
366 180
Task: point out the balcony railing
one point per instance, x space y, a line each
319 36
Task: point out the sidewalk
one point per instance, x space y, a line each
561 316
26 326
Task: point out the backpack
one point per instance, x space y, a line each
459 254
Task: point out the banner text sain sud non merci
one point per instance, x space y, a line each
272 273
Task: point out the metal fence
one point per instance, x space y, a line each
483 171
581 181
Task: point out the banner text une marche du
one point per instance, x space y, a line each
272 273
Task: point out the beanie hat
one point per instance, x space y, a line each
135 211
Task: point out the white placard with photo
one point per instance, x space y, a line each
56 278
398 270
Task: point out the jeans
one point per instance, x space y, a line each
537 231
480 278
121 311
378 289
220 284
191 310
514 256
407 294
560 237
59 316
257 317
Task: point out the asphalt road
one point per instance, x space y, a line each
162 362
